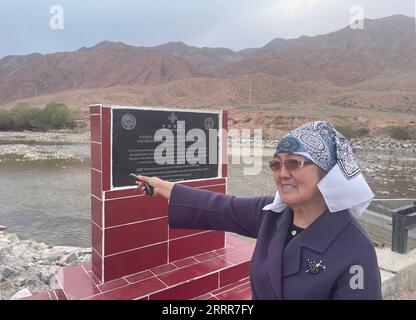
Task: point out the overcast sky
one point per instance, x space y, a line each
235 24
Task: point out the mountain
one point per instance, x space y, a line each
344 57
375 66
204 59
107 64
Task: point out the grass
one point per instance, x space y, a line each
351 129
401 133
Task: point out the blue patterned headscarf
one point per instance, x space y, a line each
343 186
320 142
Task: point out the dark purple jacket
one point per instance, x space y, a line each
279 272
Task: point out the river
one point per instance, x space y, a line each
45 190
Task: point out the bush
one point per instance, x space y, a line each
26 117
5 120
401 133
18 116
351 129
58 116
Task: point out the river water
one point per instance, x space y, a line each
47 198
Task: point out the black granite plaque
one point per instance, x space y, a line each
186 146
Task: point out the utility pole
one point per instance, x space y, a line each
249 91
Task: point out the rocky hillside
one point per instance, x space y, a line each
345 57
106 65
371 67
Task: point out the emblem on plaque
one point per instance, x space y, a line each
128 121
209 123
172 118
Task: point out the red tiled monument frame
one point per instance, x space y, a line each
220 274
121 217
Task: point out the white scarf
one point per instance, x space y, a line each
343 187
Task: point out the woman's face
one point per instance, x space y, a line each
298 186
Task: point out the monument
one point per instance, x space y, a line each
130 231
135 254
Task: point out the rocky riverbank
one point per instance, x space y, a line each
53 136
39 146
382 144
372 143
29 152
28 267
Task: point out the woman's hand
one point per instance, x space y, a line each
160 187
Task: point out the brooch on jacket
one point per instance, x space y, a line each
315 267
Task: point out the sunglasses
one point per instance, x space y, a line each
290 164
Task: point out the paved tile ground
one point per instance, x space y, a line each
402 296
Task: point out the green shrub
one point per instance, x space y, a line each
5 120
58 115
351 129
75 113
401 133
26 117
18 116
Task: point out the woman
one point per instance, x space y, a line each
309 246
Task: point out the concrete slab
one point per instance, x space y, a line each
389 284
386 275
395 262
398 271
